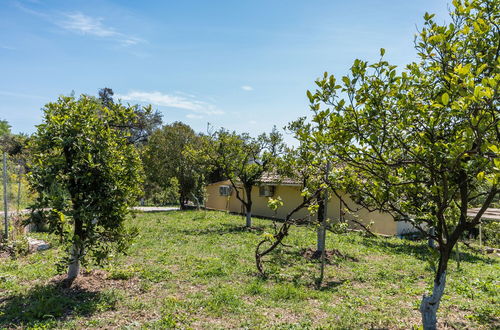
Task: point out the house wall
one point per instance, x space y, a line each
214 200
289 194
382 223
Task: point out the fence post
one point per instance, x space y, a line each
5 200
19 188
430 241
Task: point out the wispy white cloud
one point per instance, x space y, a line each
247 88
93 26
30 11
82 24
172 101
252 122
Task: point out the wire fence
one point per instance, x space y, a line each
14 193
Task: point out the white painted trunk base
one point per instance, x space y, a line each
249 219
74 266
320 244
430 304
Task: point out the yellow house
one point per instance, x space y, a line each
221 196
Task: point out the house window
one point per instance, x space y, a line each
225 190
266 191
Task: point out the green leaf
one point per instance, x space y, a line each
382 51
310 96
477 91
445 98
493 148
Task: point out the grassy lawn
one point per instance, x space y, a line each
196 270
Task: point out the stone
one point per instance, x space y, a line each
37 244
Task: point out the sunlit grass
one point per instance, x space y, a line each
197 269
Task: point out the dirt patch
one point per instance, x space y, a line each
97 280
330 255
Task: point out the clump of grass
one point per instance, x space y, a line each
287 291
223 299
211 268
255 287
156 274
121 273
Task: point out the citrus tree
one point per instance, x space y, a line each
242 160
86 175
422 144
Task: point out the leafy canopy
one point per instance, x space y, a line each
422 144
166 157
242 157
84 169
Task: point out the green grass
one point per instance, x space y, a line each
197 270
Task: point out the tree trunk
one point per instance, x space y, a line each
248 192
249 218
320 242
430 304
74 266
182 203
76 251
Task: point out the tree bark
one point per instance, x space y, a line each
249 218
248 191
182 204
430 304
76 251
320 244
74 265
322 215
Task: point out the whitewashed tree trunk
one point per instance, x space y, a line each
430 304
74 266
320 245
249 219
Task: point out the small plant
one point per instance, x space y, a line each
117 273
275 203
19 247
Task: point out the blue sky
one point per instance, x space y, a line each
243 65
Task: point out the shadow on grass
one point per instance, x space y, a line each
331 285
288 257
420 251
221 229
46 304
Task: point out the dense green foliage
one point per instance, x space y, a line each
178 274
168 165
86 172
140 127
4 127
